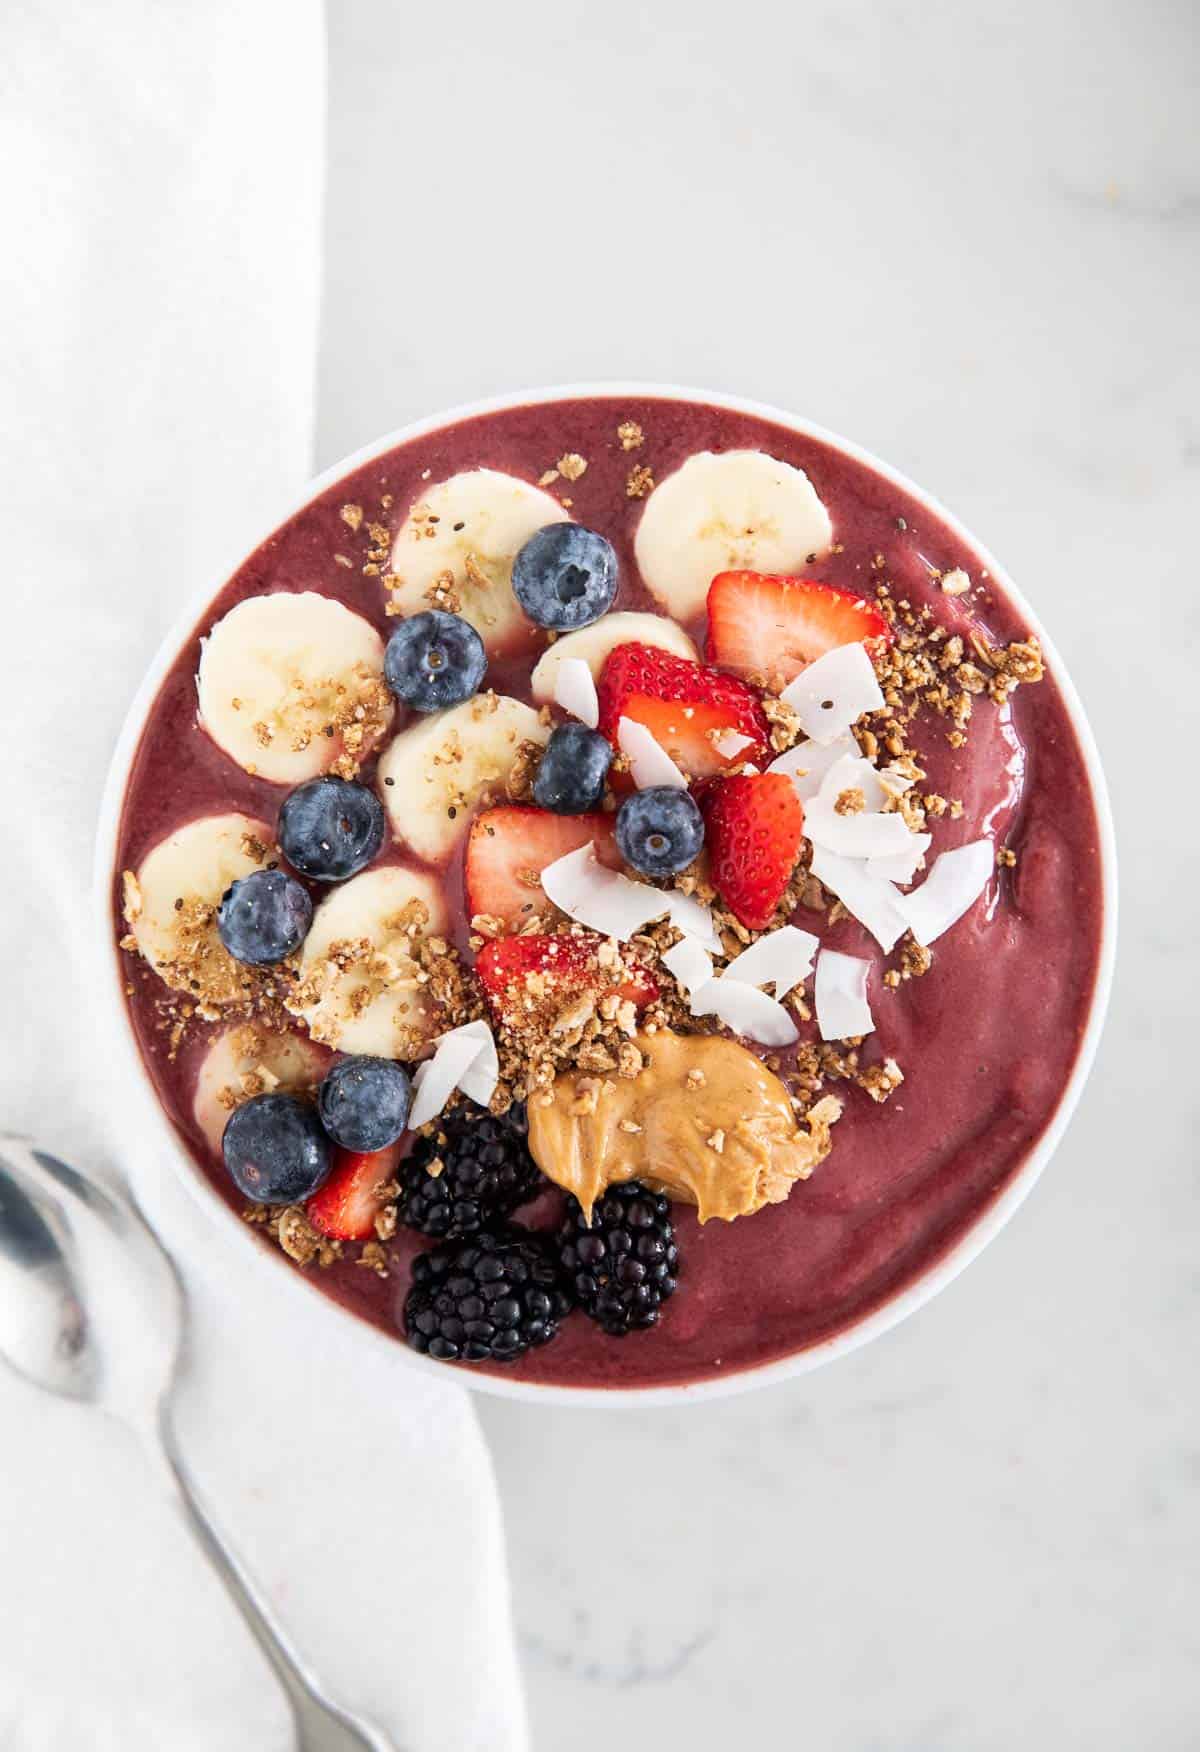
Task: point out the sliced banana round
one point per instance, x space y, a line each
171 905
466 532
251 1060
361 987
435 772
594 643
736 510
291 685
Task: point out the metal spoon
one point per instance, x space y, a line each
91 1309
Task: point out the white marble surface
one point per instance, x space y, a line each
967 236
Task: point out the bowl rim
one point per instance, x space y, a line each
942 1272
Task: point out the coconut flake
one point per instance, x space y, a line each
781 959
694 919
855 836
870 899
649 762
954 884
832 693
602 899
691 965
575 691
746 1010
479 1080
730 743
854 772
615 906
840 995
902 866
435 1080
807 764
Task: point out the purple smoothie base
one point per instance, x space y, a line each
987 1039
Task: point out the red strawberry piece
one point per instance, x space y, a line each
509 847
537 975
753 829
347 1205
684 706
775 627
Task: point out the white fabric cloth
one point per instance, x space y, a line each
163 166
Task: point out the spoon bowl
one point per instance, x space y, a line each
92 1309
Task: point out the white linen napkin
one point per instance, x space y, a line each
164 168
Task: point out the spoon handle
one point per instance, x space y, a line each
321 1726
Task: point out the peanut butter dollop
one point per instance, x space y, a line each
705 1122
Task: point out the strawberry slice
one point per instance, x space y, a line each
509 847
536 976
347 1205
753 829
774 627
685 707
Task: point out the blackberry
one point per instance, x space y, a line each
486 1299
622 1268
486 1172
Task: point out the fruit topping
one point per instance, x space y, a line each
565 577
360 1184
170 906
291 685
364 1103
622 1264
459 539
571 774
686 708
249 1059
771 627
264 917
705 1122
591 645
509 847
435 772
539 975
472 1171
718 512
330 828
486 1299
434 660
660 831
275 1149
360 987
755 825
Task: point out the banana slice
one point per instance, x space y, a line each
361 987
250 1060
467 531
594 643
171 906
733 511
291 685
436 771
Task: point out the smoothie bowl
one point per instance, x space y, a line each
615 892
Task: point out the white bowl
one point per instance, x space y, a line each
252 1256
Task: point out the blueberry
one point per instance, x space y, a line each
330 828
364 1103
275 1149
264 917
659 830
565 576
570 777
434 660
